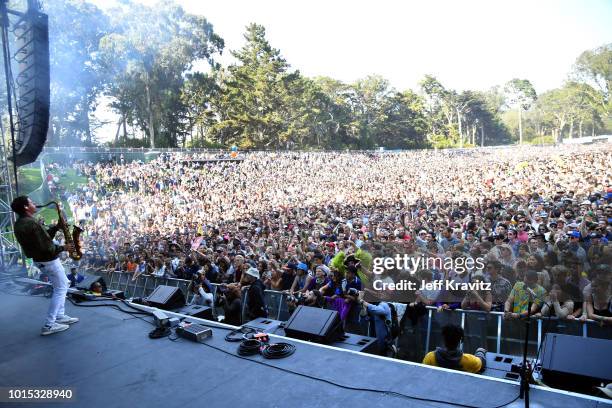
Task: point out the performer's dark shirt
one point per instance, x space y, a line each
36 242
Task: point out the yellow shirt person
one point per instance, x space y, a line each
451 357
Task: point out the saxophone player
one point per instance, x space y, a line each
37 243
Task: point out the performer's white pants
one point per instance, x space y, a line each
57 276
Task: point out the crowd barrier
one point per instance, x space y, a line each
482 329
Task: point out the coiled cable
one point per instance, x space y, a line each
278 350
249 347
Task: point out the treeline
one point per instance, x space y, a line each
141 59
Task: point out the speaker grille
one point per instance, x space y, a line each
33 83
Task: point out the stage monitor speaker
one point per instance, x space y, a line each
200 312
314 324
166 297
355 342
266 325
89 280
33 84
575 363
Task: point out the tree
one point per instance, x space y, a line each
594 67
260 98
146 56
367 99
75 80
520 94
405 124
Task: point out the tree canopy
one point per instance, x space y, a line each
156 67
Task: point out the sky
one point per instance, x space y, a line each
465 44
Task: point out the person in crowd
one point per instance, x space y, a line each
521 296
275 206
598 305
500 286
202 291
477 299
559 302
75 277
450 356
380 317
304 279
255 302
229 299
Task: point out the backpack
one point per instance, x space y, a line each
394 328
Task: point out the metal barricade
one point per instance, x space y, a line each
512 337
480 330
596 330
439 319
419 334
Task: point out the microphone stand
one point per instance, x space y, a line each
524 390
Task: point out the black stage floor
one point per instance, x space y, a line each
109 361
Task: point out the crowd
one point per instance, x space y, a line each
540 218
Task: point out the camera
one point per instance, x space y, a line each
297 298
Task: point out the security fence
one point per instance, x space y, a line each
420 335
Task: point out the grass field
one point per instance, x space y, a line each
30 180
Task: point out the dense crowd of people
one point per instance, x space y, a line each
540 218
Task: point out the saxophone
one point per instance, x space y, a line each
70 238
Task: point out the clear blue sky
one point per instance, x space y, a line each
466 44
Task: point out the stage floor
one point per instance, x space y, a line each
109 361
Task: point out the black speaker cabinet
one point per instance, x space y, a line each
314 324
576 363
201 312
33 80
267 325
166 297
355 342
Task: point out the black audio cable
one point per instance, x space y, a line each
278 350
249 347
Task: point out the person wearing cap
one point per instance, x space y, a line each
255 301
520 296
575 248
304 279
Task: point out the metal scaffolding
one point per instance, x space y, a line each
9 249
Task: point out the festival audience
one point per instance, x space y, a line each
540 218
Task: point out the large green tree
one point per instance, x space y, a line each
260 102
521 95
147 55
75 80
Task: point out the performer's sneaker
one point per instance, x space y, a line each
65 319
54 328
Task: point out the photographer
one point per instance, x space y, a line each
229 299
202 290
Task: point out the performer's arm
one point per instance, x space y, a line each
43 243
